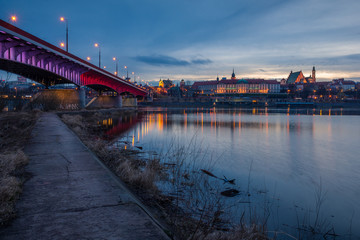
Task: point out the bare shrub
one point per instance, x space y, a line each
9 162
10 189
137 176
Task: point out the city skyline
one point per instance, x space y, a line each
200 40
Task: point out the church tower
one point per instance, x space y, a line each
313 74
233 75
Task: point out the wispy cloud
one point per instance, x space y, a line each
163 60
201 61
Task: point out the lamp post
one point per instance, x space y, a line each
88 58
116 69
133 73
127 73
67 32
98 46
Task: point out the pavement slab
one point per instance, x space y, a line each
71 195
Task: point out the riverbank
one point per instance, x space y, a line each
284 104
15 130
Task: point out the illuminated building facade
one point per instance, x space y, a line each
237 86
248 86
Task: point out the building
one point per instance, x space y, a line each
166 83
299 78
341 84
248 86
236 86
205 87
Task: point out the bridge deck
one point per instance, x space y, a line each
71 195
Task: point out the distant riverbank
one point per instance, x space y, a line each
250 104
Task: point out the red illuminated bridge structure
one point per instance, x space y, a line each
31 57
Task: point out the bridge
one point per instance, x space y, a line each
24 54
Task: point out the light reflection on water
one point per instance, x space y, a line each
290 153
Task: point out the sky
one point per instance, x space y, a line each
199 39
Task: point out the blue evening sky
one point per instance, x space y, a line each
198 39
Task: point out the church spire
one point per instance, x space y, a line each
233 74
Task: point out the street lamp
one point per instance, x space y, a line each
62 44
98 46
116 69
127 73
13 18
88 58
133 73
67 32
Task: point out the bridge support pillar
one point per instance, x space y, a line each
119 101
82 97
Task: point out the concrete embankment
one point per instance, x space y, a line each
71 195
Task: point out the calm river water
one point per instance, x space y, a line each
287 156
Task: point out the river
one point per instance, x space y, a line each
286 156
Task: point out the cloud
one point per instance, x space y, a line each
201 61
163 60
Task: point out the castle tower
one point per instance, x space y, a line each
233 75
313 74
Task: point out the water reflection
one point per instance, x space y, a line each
114 127
289 151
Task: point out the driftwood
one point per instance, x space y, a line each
230 193
208 173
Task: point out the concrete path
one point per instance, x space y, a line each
71 195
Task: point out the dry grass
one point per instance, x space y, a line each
15 129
